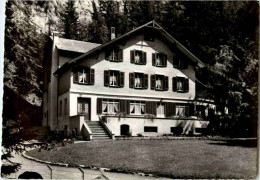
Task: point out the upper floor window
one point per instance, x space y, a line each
159 82
137 107
84 75
114 78
138 57
110 106
159 60
180 84
180 62
138 80
114 55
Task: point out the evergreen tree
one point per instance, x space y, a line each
70 21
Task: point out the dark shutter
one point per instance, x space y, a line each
154 108
107 54
132 56
166 83
153 59
170 109
165 60
92 76
75 76
176 59
144 57
99 105
174 84
131 80
122 79
152 82
191 109
127 107
122 105
186 85
106 78
145 81
150 107
120 55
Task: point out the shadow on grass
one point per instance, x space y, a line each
252 143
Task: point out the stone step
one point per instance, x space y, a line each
94 138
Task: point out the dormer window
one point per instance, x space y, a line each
114 55
159 60
138 57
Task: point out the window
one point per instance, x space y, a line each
160 110
65 106
180 84
180 62
159 82
83 106
110 106
114 78
114 55
84 75
182 110
138 80
60 108
159 60
138 57
150 129
137 107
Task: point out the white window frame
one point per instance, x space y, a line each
115 76
84 76
161 112
139 54
140 76
110 103
157 78
136 104
180 81
159 58
183 106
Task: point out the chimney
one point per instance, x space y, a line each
113 33
55 35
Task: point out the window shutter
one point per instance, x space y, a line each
127 107
174 84
166 83
92 76
122 105
99 105
107 54
75 76
150 107
191 109
120 55
131 80
145 81
122 79
186 85
154 108
106 78
170 109
152 82
132 56
165 60
144 57
153 59
176 60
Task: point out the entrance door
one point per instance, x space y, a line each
84 108
124 130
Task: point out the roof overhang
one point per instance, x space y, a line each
153 25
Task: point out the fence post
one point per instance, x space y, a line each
50 169
82 173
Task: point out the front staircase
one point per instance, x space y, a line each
98 132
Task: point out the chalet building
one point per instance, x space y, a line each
142 82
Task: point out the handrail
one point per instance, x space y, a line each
108 129
88 131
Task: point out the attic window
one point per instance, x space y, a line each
114 55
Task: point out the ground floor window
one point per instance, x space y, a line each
150 129
182 110
137 107
83 106
110 106
160 109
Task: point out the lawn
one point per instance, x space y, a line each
172 158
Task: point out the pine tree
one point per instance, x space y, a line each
70 21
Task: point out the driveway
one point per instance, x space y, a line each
57 172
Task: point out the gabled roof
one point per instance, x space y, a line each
151 24
75 46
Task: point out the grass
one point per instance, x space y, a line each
176 158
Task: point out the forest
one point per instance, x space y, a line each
222 34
